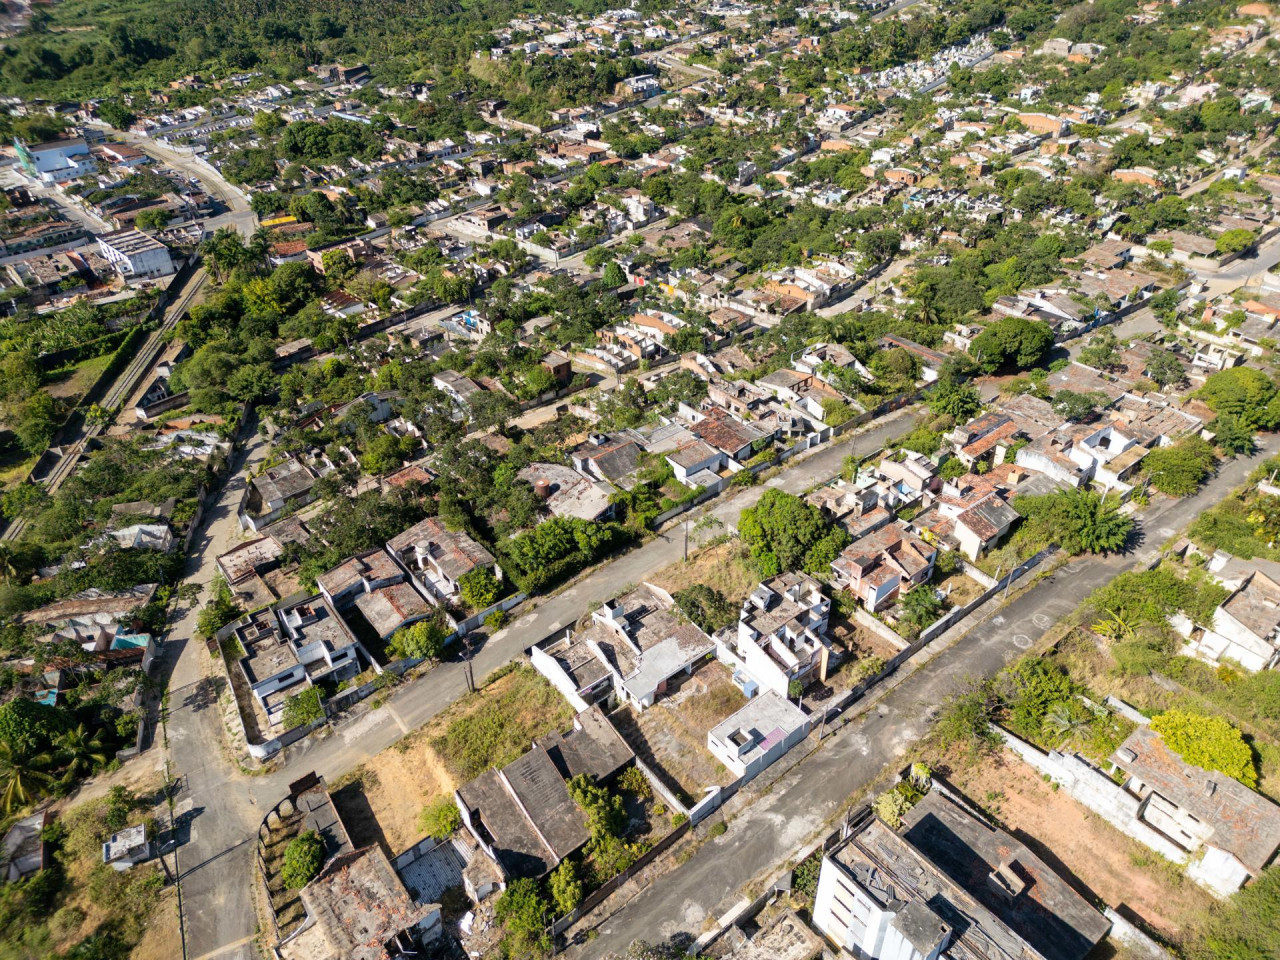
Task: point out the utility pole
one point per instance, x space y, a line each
686 538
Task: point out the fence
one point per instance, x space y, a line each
959 613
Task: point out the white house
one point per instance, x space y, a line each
781 636
136 255
758 734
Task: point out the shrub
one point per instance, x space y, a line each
891 806
522 910
706 607
422 640
303 859
440 818
634 782
1180 469
566 888
479 588
718 829
1210 743
804 879
303 708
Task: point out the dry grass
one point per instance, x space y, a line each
725 567
380 802
671 736
285 903
162 940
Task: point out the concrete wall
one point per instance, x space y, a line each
1095 790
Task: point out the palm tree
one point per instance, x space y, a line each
260 246
21 779
1062 720
81 752
8 564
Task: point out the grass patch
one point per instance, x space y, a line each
495 726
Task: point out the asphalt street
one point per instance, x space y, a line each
765 834
223 806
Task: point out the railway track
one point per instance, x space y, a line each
120 391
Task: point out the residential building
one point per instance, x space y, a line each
439 558
567 493
522 815
948 884
23 851
358 908
1197 809
781 636
881 566
135 255
758 734
57 161
297 644
643 644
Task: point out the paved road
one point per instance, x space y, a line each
765 834
217 907
225 806
238 214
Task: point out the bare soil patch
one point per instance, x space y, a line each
1098 860
671 736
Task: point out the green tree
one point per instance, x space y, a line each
1165 369
1233 241
22 777
566 888
338 267
1245 393
302 708
1210 743
221 610
1011 343
613 277
422 640
303 859
950 398
1079 520
479 588
706 607
30 727
785 533
1078 407
36 423
1232 436
440 819
921 606
80 752
1102 351
153 219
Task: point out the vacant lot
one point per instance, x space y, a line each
725 567
380 801
1101 863
671 736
